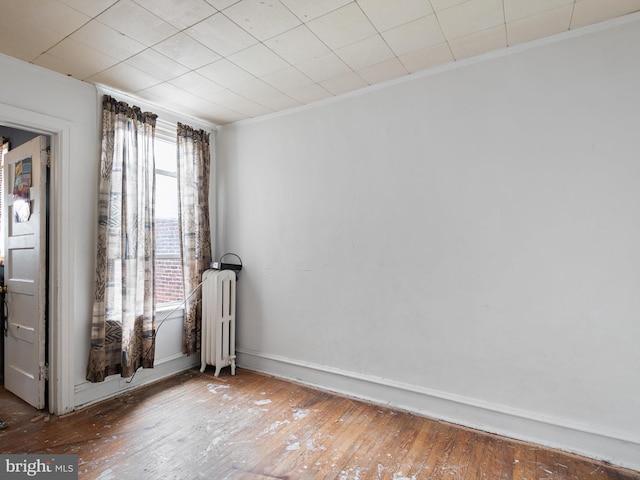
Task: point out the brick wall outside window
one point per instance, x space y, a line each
168 270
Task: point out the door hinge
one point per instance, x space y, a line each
48 153
44 372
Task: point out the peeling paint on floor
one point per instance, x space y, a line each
214 388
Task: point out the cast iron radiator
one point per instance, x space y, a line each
218 345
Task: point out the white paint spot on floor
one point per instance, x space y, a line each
400 476
212 445
214 388
292 443
454 467
273 428
266 401
352 473
312 447
300 413
107 475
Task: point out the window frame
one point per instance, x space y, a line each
166 132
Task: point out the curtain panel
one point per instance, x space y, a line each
193 218
123 321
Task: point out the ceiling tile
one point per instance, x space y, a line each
57 64
297 45
309 93
157 65
166 92
212 112
196 84
246 88
30 27
167 95
179 13
268 96
225 73
478 43
51 15
342 27
222 4
221 35
216 114
287 78
471 17
365 53
263 19
25 43
384 71
413 36
307 10
186 51
92 8
102 38
265 95
238 103
427 58
587 12
344 84
258 60
250 109
75 59
442 4
385 14
517 9
324 67
125 78
136 22
538 26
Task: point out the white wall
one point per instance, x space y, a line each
32 98
35 99
464 244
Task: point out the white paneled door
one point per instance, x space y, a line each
25 271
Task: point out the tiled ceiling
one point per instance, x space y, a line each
227 60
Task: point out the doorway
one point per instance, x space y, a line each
24 340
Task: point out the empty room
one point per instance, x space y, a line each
320 239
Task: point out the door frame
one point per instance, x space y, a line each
60 258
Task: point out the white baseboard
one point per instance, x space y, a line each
509 422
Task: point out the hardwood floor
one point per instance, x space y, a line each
252 426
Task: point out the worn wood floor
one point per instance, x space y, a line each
251 426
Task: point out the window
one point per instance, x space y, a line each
168 259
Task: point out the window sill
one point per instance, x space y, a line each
169 310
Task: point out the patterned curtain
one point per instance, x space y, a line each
123 324
193 219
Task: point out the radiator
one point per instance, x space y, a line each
218 335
